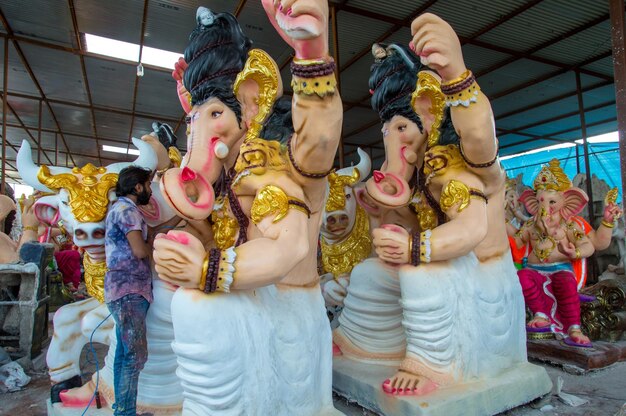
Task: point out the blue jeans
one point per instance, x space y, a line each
129 313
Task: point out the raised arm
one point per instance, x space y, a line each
317 110
438 46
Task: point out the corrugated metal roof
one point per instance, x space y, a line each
544 22
169 22
397 9
581 46
469 16
45 20
115 19
58 72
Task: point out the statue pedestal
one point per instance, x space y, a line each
601 355
58 409
361 383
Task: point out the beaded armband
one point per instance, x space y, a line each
218 270
313 77
462 90
419 247
272 200
414 248
456 192
310 175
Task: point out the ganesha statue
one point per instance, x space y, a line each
461 305
554 240
250 329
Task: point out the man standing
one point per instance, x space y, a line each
128 283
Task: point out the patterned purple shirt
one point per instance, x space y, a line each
125 272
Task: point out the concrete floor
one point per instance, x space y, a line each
605 389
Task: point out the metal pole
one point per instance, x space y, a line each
56 150
39 137
333 17
577 159
583 128
5 106
619 69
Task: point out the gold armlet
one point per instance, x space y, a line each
272 200
578 255
30 228
608 224
456 192
205 269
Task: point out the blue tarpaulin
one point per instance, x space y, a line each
603 162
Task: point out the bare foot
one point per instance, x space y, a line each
80 396
578 337
336 350
538 322
404 383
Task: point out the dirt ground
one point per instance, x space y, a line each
604 389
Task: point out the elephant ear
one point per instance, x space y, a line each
429 103
257 87
575 200
529 199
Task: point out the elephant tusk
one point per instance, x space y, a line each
221 150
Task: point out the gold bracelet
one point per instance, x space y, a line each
410 246
458 79
34 228
608 224
205 268
309 62
578 255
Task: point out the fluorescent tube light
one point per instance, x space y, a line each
122 150
130 51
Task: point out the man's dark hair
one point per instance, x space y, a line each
215 55
129 177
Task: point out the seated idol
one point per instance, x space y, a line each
462 305
250 329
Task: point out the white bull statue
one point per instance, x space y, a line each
82 198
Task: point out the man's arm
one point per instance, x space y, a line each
140 248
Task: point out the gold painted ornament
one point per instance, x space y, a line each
88 195
340 258
94 277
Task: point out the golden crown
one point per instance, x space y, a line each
552 177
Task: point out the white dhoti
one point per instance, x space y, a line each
464 319
254 352
370 324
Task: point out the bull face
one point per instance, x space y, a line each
340 209
80 196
